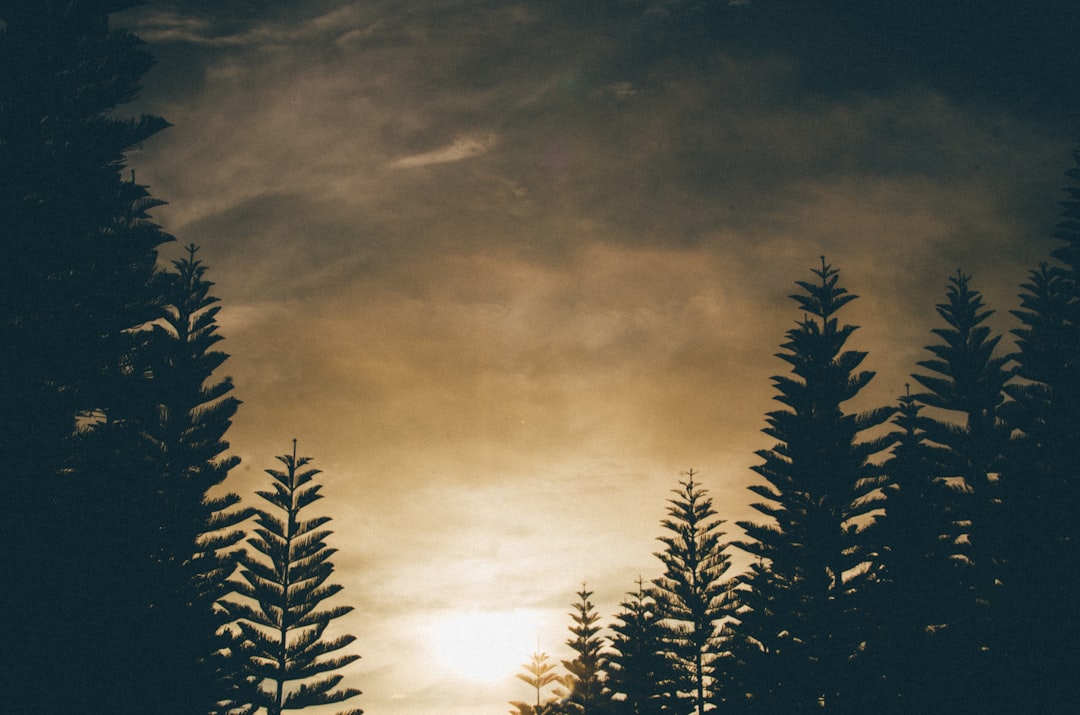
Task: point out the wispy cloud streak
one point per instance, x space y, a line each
464 147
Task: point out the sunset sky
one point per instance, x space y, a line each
507 270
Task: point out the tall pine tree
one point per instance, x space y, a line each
285 585
199 528
966 386
692 595
917 591
77 279
800 624
584 683
1040 484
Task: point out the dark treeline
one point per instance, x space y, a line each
910 558
132 582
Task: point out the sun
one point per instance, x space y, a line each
484 646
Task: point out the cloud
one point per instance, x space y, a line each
464 147
237 25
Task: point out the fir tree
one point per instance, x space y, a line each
692 595
284 587
800 624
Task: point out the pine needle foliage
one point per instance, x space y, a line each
284 586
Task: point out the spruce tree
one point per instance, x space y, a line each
584 682
640 674
284 586
692 595
800 624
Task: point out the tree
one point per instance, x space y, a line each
584 681
917 590
967 387
77 280
1040 483
190 414
284 586
539 673
160 451
799 626
79 253
640 675
692 595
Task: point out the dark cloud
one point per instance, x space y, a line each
1014 55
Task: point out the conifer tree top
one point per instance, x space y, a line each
825 297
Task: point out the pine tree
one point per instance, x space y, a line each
692 595
1040 483
80 251
640 673
159 450
191 414
799 627
967 387
584 681
539 673
917 590
76 282
284 586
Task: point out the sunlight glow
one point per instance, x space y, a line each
484 646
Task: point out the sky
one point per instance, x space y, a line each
507 270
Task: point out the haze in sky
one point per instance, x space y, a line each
507 270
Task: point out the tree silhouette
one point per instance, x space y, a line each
918 589
640 674
539 673
76 282
800 624
285 586
1040 483
968 387
584 680
692 595
191 411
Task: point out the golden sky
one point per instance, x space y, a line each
508 269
